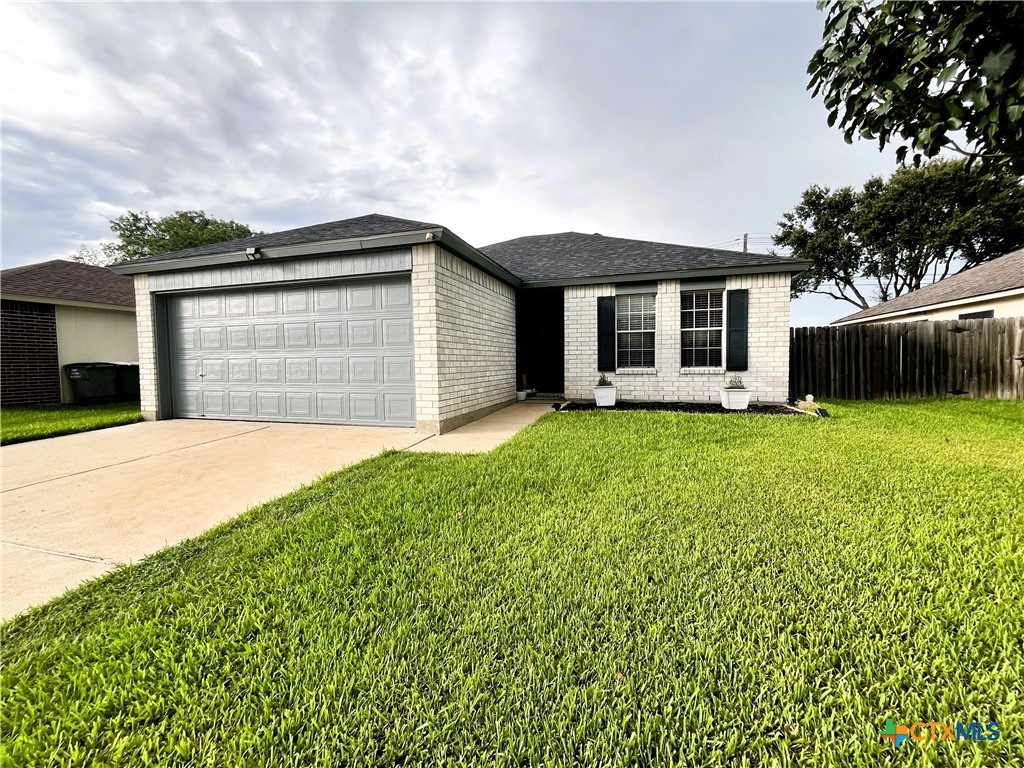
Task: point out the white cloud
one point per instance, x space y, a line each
674 122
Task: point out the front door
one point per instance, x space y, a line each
540 340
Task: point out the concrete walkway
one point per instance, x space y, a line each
77 506
487 433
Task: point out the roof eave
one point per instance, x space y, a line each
791 267
858 318
59 301
439 235
269 252
478 258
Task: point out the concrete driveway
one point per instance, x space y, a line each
77 506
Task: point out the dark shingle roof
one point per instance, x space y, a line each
569 255
1003 274
361 226
70 281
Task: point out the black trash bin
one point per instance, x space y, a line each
92 382
127 383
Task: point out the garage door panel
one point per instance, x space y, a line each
330 406
398 370
185 339
241 404
364 406
328 335
186 402
213 370
362 333
215 402
240 337
396 295
270 405
334 353
236 305
297 336
265 303
299 405
268 336
269 370
327 299
396 332
298 370
330 370
211 306
363 370
399 407
241 370
184 308
295 302
362 297
187 370
212 337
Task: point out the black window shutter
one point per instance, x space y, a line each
606 333
736 330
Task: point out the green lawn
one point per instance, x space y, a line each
34 422
606 589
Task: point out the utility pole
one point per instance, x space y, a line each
745 235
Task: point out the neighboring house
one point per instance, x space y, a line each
377 320
992 289
59 312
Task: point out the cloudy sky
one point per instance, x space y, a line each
685 122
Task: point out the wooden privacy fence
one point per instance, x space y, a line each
976 358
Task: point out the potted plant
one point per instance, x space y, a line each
735 397
604 392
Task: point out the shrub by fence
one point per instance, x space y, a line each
976 358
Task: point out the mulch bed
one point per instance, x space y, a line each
760 408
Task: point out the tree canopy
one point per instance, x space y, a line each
936 75
895 235
139 234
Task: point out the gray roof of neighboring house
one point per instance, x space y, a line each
569 255
362 226
1003 274
70 281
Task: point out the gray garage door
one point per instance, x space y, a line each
338 353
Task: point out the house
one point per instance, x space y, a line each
992 289
378 320
59 312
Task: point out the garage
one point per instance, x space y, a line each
336 352
369 321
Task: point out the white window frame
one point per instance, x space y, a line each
638 312
696 314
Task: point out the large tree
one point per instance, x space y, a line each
139 234
936 75
895 235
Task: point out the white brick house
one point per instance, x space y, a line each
377 320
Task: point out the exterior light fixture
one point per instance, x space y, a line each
253 254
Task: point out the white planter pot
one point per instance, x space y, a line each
604 396
520 396
735 399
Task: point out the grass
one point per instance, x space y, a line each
35 422
606 589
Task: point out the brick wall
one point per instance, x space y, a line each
768 346
29 371
464 323
144 327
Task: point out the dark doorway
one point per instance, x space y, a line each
540 340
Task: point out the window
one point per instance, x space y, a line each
985 315
634 325
701 324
